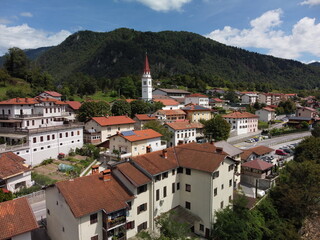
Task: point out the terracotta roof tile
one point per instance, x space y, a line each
174 90
258 150
240 115
135 176
113 120
171 112
36 100
140 135
167 102
194 107
269 109
11 165
16 217
199 95
145 117
89 194
257 164
53 93
75 105
216 100
184 125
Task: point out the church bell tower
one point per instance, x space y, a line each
146 81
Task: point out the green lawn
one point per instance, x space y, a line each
97 96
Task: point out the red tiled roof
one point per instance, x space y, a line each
16 217
171 112
140 135
240 115
90 194
75 105
36 100
136 177
309 108
167 102
291 94
130 100
112 120
184 125
170 90
257 164
146 65
145 117
258 150
217 100
269 109
199 95
11 165
53 93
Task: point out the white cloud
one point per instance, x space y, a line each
310 2
304 37
26 14
4 21
164 5
25 37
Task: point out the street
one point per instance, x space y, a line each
39 209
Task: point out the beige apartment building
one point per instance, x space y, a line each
197 112
194 180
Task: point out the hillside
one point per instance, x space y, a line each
121 53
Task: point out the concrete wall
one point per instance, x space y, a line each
24 236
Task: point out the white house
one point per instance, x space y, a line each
51 94
242 122
249 98
197 99
17 220
266 114
182 132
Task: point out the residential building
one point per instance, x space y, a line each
249 98
242 122
215 91
306 112
72 108
169 104
255 152
99 129
132 143
51 94
167 116
266 114
14 174
197 99
38 128
271 98
142 119
197 112
128 197
146 81
174 93
182 132
17 220
216 102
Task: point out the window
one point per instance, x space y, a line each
222 186
48 137
230 167
62 229
158 178
215 192
201 228
142 226
48 211
173 172
53 136
188 171
142 189
60 135
32 122
178 186
188 205
72 134
34 140
93 218
230 198
164 192
216 174
130 225
188 188
221 204
78 132
28 123
41 139
157 195
164 175
173 187
230 183
180 170
142 208
66 134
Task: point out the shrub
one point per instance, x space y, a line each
42 180
46 162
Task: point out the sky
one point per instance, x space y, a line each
282 28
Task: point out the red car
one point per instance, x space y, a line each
281 152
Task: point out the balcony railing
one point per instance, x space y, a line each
115 222
28 115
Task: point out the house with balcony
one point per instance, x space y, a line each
14 173
197 112
100 129
51 94
266 114
197 99
17 220
216 102
37 128
242 122
127 144
167 116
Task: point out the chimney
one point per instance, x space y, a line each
17 99
212 142
165 153
106 175
219 149
94 169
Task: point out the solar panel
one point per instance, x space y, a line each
128 133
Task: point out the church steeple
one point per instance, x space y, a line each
146 81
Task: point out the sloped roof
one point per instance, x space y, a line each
257 164
171 112
135 176
140 135
11 165
216 100
183 125
113 120
194 107
53 93
31 101
75 105
240 115
89 194
167 102
199 95
16 217
228 148
258 150
309 109
173 90
145 117
269 109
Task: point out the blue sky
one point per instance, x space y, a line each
282 28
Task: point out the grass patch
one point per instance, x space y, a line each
99 95
42 180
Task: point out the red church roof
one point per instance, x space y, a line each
146 65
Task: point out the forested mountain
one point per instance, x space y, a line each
121 53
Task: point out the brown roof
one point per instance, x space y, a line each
257 164
90 194
173 90
36 100
75 105
113 120
269 109
140 135
240 115
145 117
184 125
171 112
199 95
167 102
136 177
11 165
16 217
258 150
53 93
192 155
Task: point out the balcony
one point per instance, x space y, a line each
28 115
111 223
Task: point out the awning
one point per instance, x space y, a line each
12 135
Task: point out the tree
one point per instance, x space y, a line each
5 196
217 128
126 87
316 130
16 62
93 109
4 76
288 106
158 127
231 96
121 107
308 150
139 107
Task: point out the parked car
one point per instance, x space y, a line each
250 140
281 152
288 150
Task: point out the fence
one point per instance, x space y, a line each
35 196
